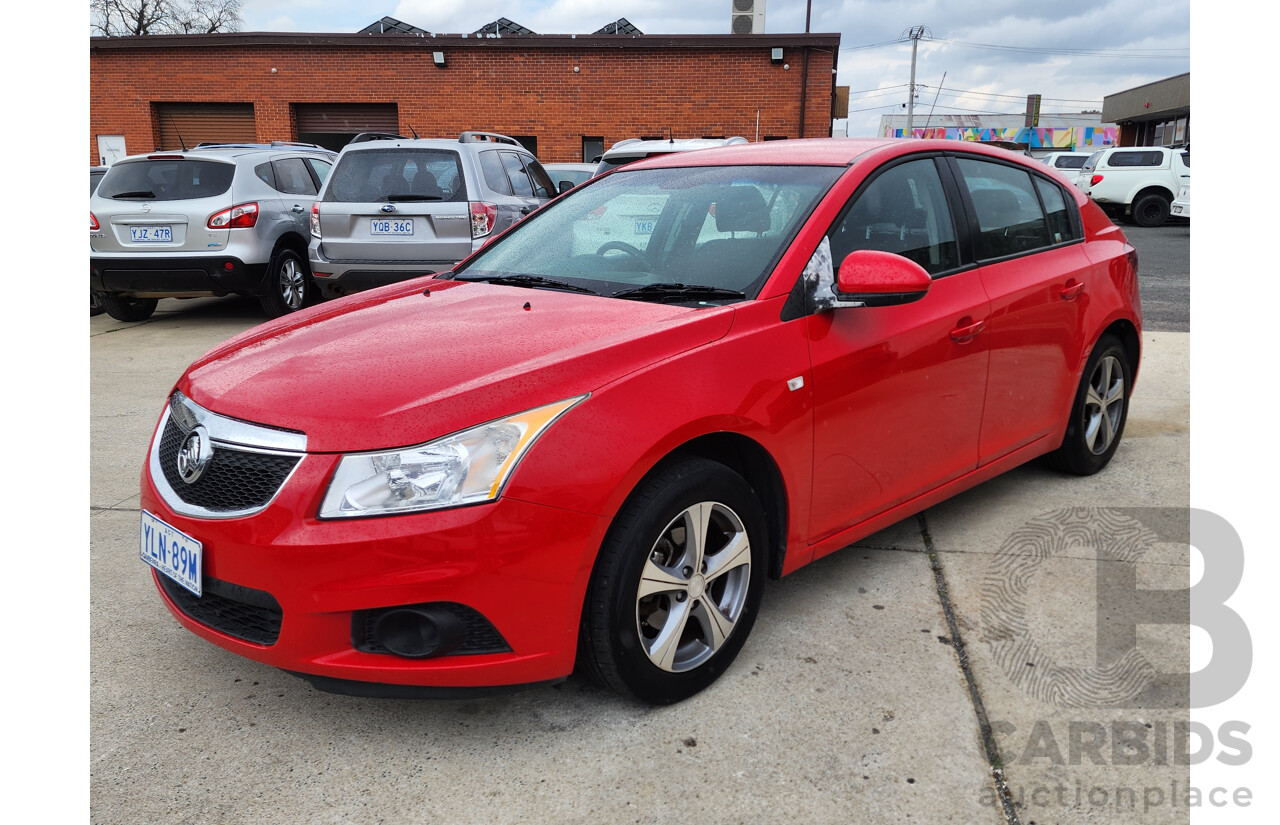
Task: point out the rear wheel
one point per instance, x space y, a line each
128 309
288 284
677 584
95 304
1150 210
1100 410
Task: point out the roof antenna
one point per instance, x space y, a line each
671 136
181 142
412 132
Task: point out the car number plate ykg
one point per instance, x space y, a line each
386 226
151 234
172 552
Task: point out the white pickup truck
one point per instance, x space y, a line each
1136 182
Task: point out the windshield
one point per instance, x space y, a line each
703 235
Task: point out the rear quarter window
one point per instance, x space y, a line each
1129 159
167 180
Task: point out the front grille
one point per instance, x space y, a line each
479 636
242 612
234 480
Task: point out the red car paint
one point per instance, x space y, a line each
862 415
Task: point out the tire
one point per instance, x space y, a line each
95 304
675 635
1150 210
1099 411
288 286
128 309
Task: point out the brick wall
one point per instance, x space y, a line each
517 86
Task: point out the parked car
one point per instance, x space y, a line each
552 455
209 221
95 175
1068 163
565 176
1181 206
633 149
1136 182
397 208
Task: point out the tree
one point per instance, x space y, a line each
115 18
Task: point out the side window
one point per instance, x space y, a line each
292 177
520 183
904 211
1056 210
541 180
321 168
1009 216
1123 159
264 173
495 176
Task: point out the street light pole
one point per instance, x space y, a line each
916 33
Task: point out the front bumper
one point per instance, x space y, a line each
165 277
522 567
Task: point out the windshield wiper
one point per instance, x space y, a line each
401 198
677 292
141 193
532 281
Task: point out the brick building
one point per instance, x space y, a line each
564 96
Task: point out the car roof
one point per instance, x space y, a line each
806 152
223 151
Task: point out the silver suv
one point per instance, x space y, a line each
396 207
213 220
633 149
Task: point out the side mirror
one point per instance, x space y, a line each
565 186
869 277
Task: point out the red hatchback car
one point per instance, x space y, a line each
594 440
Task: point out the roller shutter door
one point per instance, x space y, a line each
192 123
345 118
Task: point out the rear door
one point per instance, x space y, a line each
396 205
161 204
1027 236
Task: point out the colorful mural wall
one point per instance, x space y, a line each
1046 138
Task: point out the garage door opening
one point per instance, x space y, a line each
181 125
333 125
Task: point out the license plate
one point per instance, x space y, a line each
151 234
172 552
644 227
383 226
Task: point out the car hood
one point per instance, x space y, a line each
396 367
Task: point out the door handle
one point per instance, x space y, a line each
1072 290
297 208
967 330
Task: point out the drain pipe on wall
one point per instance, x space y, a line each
757 125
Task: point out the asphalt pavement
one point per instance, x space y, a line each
939 671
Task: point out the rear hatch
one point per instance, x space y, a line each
161 204
396 205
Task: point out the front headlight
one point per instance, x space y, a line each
468 467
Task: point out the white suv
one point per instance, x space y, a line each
633 149
1137 182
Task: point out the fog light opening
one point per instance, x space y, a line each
416 633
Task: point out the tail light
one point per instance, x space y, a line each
315 219
241 216
1132 255
1095 180
93 222
483 217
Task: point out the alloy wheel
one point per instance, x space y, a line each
1104 405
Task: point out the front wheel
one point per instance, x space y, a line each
677 585
288 284
128 309
1099 412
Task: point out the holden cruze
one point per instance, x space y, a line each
593 440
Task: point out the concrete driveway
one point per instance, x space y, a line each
887 682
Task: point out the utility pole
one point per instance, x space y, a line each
915 34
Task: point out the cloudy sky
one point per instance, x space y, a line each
993 53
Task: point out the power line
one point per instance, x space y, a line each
1130 54
874 45
958 92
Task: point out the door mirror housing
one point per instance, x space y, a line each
869 277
